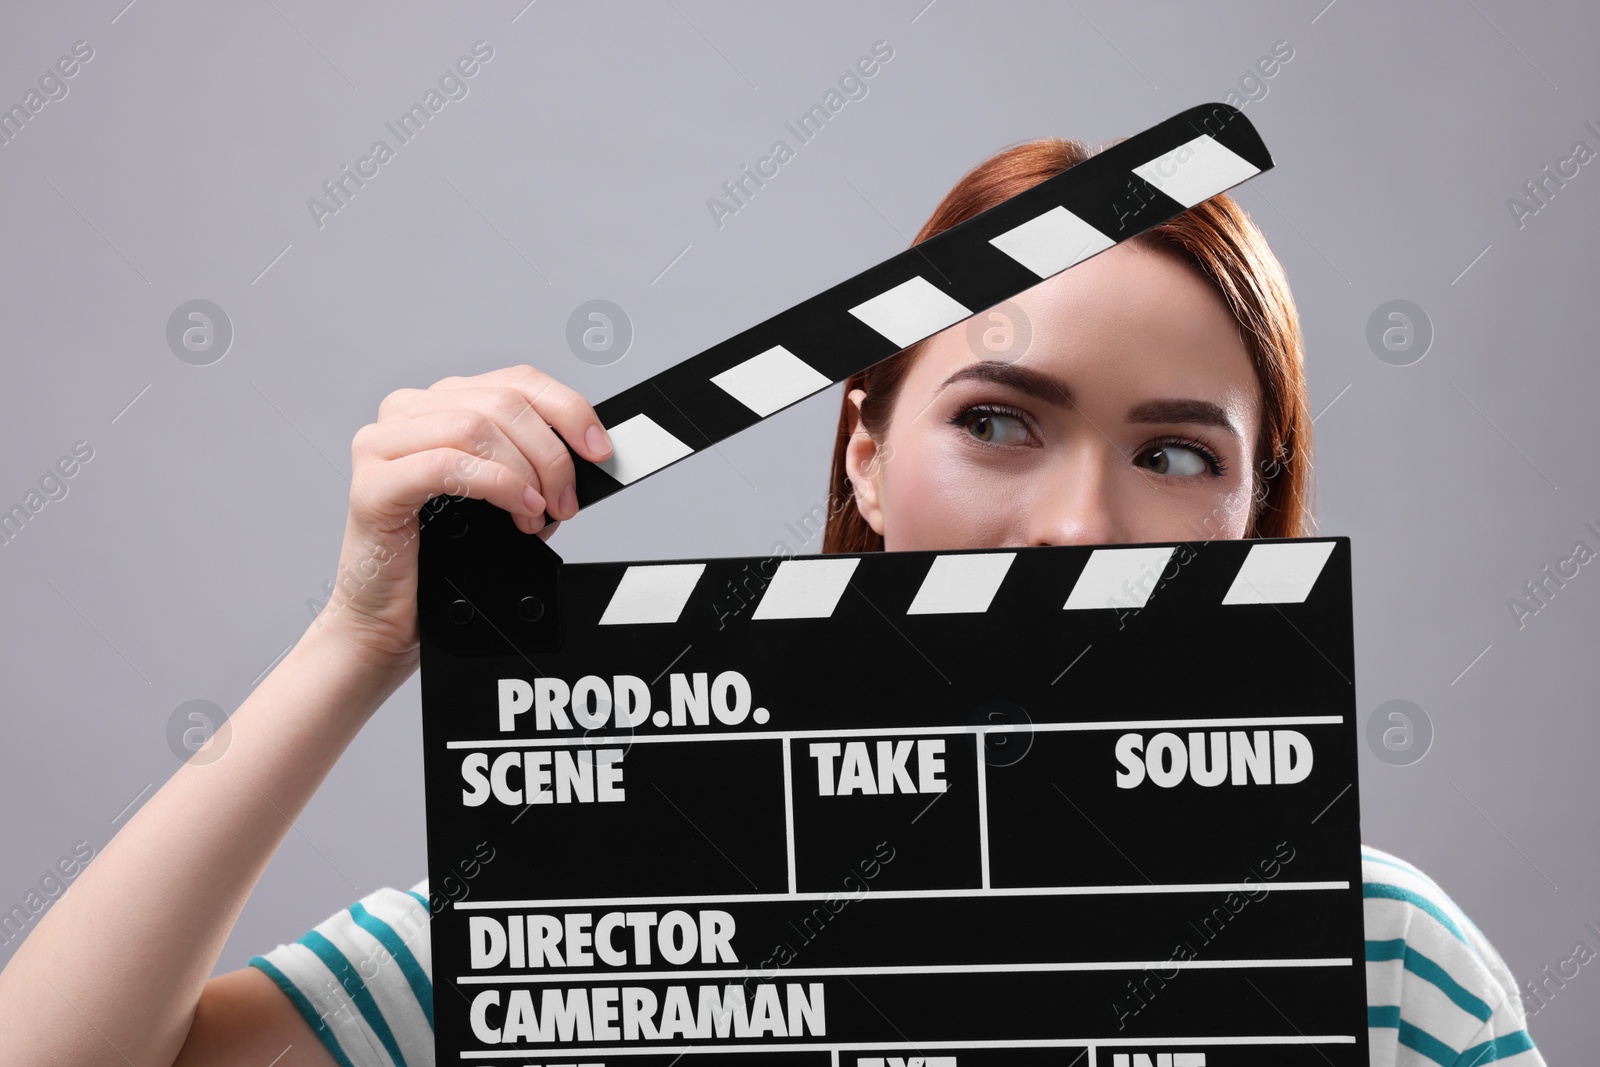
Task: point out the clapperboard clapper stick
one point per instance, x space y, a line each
1060 804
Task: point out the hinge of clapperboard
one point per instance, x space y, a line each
495 589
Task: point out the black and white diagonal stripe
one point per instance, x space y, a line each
1119 579
1125 190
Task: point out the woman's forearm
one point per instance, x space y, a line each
112 973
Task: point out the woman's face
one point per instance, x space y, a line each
1130 417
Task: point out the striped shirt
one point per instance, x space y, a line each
1437 991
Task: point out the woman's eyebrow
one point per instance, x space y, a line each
1034 383
1199 412
1052 390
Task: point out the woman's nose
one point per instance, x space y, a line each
1075 504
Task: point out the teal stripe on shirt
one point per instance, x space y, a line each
1428 970
421 900
1400 866
336 962
1498 1049
1403 866
1412 1037
307 1011
1385 891
420 985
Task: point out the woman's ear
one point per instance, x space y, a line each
863 463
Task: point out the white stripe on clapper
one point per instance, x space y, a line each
1197 170
539 977
772 380
983 812
910 311
907 731
1278 573
1052 242
1142 888
640 446
890 1046
788 809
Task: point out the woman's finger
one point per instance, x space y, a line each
524 424
392 491
560 405
465 428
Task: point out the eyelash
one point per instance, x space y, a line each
1215 462
972 411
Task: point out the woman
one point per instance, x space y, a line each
1160 396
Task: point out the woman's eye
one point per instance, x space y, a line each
993 427
1177 460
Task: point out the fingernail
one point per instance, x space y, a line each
597 440
569 502
534 501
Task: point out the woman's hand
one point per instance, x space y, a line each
489 437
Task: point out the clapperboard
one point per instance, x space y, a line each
1052 805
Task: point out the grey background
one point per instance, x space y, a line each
179 565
